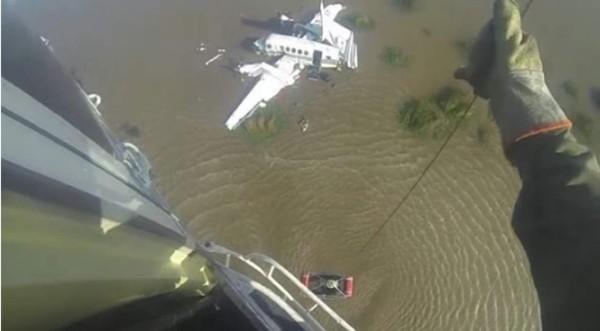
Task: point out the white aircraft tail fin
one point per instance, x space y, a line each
324 23
331 31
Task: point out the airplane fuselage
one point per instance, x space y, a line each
307 52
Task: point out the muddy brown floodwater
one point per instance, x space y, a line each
448 259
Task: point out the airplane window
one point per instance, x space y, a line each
306 53
287 49
293 50
269 46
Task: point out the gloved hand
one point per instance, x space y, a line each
481 64
505 66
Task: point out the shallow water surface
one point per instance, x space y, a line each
448 260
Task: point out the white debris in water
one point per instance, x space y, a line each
213 59
303 124
202 47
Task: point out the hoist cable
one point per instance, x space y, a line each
432 161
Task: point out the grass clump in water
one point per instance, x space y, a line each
357 21
435 115
570 89
395 57
451 102
484 133
419 116
265 123
407 5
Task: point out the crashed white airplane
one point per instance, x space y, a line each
322 43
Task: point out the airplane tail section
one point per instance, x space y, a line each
331 31
324 23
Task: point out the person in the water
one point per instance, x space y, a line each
557 214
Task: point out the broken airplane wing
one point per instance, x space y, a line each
273 78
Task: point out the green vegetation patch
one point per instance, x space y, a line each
395 57
434 115
484 132
452 102
358 21
265 123
570 89
407 5
419 116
